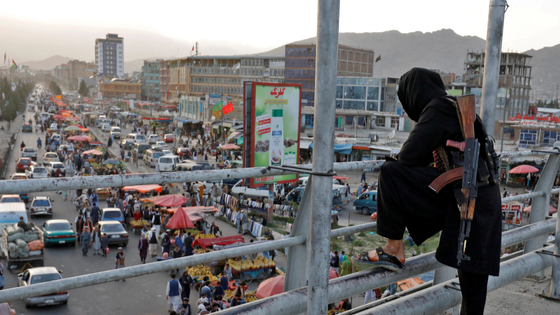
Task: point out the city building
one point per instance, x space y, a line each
514 90
300 66
61 72
164 92
190 108
262 69
364 103
150 80
109 56
117 88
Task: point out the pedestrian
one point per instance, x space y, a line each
239 218
156 221
94 214
153 242
184 308
409 202
186 282
105 244
119 260
187 244
286 248
143 248
173 293
96 241
228 271
335 262
110 142
85 239
166 242
245 221
363 179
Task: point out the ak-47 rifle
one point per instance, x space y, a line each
466 198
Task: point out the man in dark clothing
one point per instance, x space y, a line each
22 224
109 142
406 201
95 212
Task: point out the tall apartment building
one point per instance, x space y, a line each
109 56
150 80
300 66
262 69
118 88
514 90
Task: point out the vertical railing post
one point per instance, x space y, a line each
492 58
442 275
323 148
554 291
540 205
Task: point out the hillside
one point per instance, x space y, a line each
47 64
546 71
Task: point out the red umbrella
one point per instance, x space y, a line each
78 138
229 146
332 274
523 169
341 177
170 201
179 220
59 117
72 118
270 287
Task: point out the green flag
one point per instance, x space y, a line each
217 107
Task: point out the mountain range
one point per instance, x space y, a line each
444 50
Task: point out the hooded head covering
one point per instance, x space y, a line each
417 88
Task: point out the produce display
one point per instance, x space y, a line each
280 272
201 271
334 312
23 244
246 264
201 251
204 236
250 296
139 223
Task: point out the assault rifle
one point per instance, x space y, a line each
467 168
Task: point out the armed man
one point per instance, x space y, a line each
445 179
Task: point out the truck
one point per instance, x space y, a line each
16 265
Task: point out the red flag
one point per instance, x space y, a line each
192 48
228 108
168 94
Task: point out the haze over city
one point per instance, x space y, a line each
34 30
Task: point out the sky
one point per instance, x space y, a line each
34 30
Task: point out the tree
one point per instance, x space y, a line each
55 89
83 90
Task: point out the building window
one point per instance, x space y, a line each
373 93
527 137
355 92
309 121
373 106
356 105
380 121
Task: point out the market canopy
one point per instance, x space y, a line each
93 152
345 148
191 210
270 287
523 169
72 118
168 200
143 188
59 117
72 128
226 240
179 220
78 138
229 146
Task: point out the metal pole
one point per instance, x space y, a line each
504 122
492 63
554 290
323 155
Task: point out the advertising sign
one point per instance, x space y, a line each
275 122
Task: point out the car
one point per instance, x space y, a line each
10 198
183 152
52 167
127 143
105 127
27 128
161 144
116 132
56 137
58 232
152 139
168 137
50 157
23 164
366 203
29 152
140 148
112 214
41 275
41 205
37 171
21 176
116 233
166 152
54 126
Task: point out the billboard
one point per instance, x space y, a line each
275 115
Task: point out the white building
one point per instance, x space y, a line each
109 56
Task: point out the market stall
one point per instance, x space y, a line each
226 240
144 189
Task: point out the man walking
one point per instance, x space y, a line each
85 239
173 293
363 179
153 242
119 260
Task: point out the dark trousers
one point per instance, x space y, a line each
474 289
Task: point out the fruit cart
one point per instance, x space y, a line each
139 225
248 275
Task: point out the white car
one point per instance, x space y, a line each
161 144
37 171
152 139
56 137
41 205
116 132
29 153
105 127
41 275
54 126
50 157
166 152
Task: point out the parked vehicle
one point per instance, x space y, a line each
23 164
167 163
37 171
182 152
116 132
52 167
152 139
115 232
58 232
41 275
244 192
41 205
29 152
56 137
112 214
105 127
136 137
296 194
168 137
151 157
366 203
140 148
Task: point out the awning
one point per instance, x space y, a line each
360 147
143 188
234 135
345 148
226 240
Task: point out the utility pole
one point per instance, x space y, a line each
492 59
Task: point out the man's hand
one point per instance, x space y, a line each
167 297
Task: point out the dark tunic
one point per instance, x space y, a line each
405 200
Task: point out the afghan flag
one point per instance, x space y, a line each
217 107
14 66
228 108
